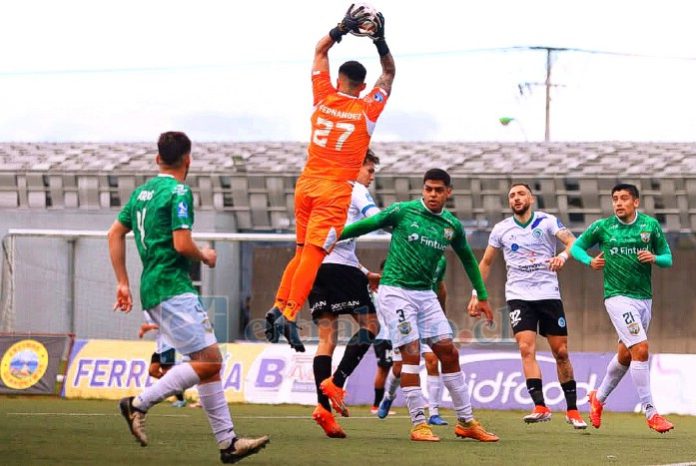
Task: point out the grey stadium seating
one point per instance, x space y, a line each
255 180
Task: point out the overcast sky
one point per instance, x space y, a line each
240 70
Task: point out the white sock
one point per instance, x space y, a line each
435 389
390 386
640 373
415 403
215 405
177 379
615 372
459 391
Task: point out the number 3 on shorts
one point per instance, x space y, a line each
401 315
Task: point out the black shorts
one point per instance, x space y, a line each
545 316
340 289
383 352
165 359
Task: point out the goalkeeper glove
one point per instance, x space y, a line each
351 22
378 36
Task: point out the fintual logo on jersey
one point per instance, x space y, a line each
413 237
623 250
404 328
645 236
449 234
182 210
23 364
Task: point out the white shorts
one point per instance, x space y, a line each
183 324
412 315
631 318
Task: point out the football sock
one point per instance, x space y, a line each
355 350
615 372
536 391
391 385
459 391
640 373
303 279
214 404
379 394
571 394
180 396
322 371
435 389
284 287
415 403
178 378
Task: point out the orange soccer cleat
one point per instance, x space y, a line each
659 424
538 414
573 418
336 395
423 433
474 430
596 408
327 422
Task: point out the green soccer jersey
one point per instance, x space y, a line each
624 274
154 211
439 273
419 238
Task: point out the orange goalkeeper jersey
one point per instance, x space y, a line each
342 126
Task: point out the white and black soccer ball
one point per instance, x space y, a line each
370 24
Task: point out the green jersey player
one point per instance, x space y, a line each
630 242
160 214
421 230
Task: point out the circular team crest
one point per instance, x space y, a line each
23 364
561 322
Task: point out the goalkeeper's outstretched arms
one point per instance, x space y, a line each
385 57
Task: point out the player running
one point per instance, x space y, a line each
434 380
160 214
341 287
162 359
528 241
630 242
342 125
421 230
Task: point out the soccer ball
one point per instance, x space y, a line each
370 24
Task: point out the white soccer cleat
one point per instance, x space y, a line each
243 447
573 418
539 414
135 419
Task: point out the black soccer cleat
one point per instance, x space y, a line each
240 448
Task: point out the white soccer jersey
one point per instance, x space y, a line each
527 250
361 205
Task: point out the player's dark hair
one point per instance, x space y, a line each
438 174
370 157
631 188
354 71
172 146
522 184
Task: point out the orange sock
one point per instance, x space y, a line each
312 257
285 282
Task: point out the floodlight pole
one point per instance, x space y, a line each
547 126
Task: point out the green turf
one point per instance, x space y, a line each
186 439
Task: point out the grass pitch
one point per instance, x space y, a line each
54 431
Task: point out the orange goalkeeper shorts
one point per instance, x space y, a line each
321 210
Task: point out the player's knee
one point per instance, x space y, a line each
154 371
526 349
640 352
561 355
431 363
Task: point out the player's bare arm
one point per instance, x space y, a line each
117 251
184 245
321 54
646 257
385 57
598 262
566 237
489 256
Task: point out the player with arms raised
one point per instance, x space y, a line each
630 242
421 231
342 125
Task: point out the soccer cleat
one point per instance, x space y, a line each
423 433
436 420
474 430
243 447
179 404
374 410
659 424
596 408
573 417
327 422
384 408
135 419
538 414
335 394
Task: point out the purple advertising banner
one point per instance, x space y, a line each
496 381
